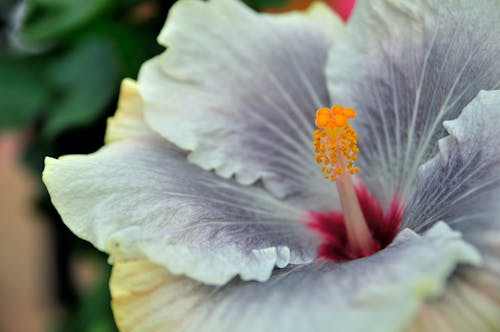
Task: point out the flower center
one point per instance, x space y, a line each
354 233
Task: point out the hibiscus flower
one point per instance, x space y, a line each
210 193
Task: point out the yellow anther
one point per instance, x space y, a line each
335 143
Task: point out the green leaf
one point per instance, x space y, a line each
21 93
133 44
51 19
265 4
86 80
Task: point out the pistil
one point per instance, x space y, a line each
336 147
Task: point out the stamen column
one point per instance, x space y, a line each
335 146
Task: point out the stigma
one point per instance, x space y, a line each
335 142
336 149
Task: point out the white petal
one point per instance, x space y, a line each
239 91
378 293
128 120
140 198
462 184
320 15
407 66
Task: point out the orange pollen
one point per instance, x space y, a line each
335 142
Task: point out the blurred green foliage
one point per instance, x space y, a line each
82 94
69 58
60 73
21 94
51 19
265 4
93 314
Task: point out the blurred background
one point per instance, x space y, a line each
61 63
